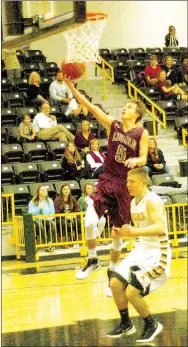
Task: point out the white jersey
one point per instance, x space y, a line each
141 219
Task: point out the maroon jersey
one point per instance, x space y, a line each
122 145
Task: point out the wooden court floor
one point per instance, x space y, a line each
47 306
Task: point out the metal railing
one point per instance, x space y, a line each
184 137
154 107
106 75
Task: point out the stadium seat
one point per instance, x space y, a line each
57 111
13 134
138 54
45 85
88 181
105 53
179 199
170 108
51 170
12 153
9 116
180 122
26 172
22 85
49 69
28 68
151 92
119 54
20 56
74 186
56 149
49 185
156 51
166 199
4 135
121 71
22 196
35 151
32 111
182 108
6 86
173 51
70 127
34 55
7 174
162 179
15 99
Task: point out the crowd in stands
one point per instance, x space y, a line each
82 158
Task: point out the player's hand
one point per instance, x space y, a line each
131 163
127 230
116 233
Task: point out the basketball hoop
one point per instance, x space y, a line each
83 41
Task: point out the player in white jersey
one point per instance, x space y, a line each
146 268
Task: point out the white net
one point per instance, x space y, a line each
83 41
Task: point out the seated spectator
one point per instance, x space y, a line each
46 126
66 203
95 158
11 64
87 191
170 38
182 72
34 93
73 164
26 131
76 111
172 92
151 71
156 163
171 75
83 138
41 204
60 93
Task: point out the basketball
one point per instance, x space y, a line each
72 70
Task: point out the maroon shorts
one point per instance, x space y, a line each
111 194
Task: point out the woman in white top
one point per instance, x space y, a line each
95 158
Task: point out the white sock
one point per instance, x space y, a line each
92 253
112 266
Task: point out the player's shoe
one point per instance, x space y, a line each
92 265
108 290
101 225
149 332
122 329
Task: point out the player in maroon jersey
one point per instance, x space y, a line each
127 149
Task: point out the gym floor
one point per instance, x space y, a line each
44 305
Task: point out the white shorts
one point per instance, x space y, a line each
146 258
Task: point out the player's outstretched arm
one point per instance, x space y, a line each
96 112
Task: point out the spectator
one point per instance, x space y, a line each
151 71
34 92
170 38
156 163
83 138
169 92
46 126
41 204
87 191
26 131
95 158
66 203
60 93
11 63
75 110
171 74
182 72
73 164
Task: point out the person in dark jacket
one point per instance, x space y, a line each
73 164
34 93
83 138
156 163
170 38
171 73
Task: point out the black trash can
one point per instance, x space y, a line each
183 164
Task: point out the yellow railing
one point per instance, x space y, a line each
106 75
154 107
184 135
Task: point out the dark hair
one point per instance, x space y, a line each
69 198
153 57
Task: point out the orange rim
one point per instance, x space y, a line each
94 16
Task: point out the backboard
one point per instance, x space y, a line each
27 21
